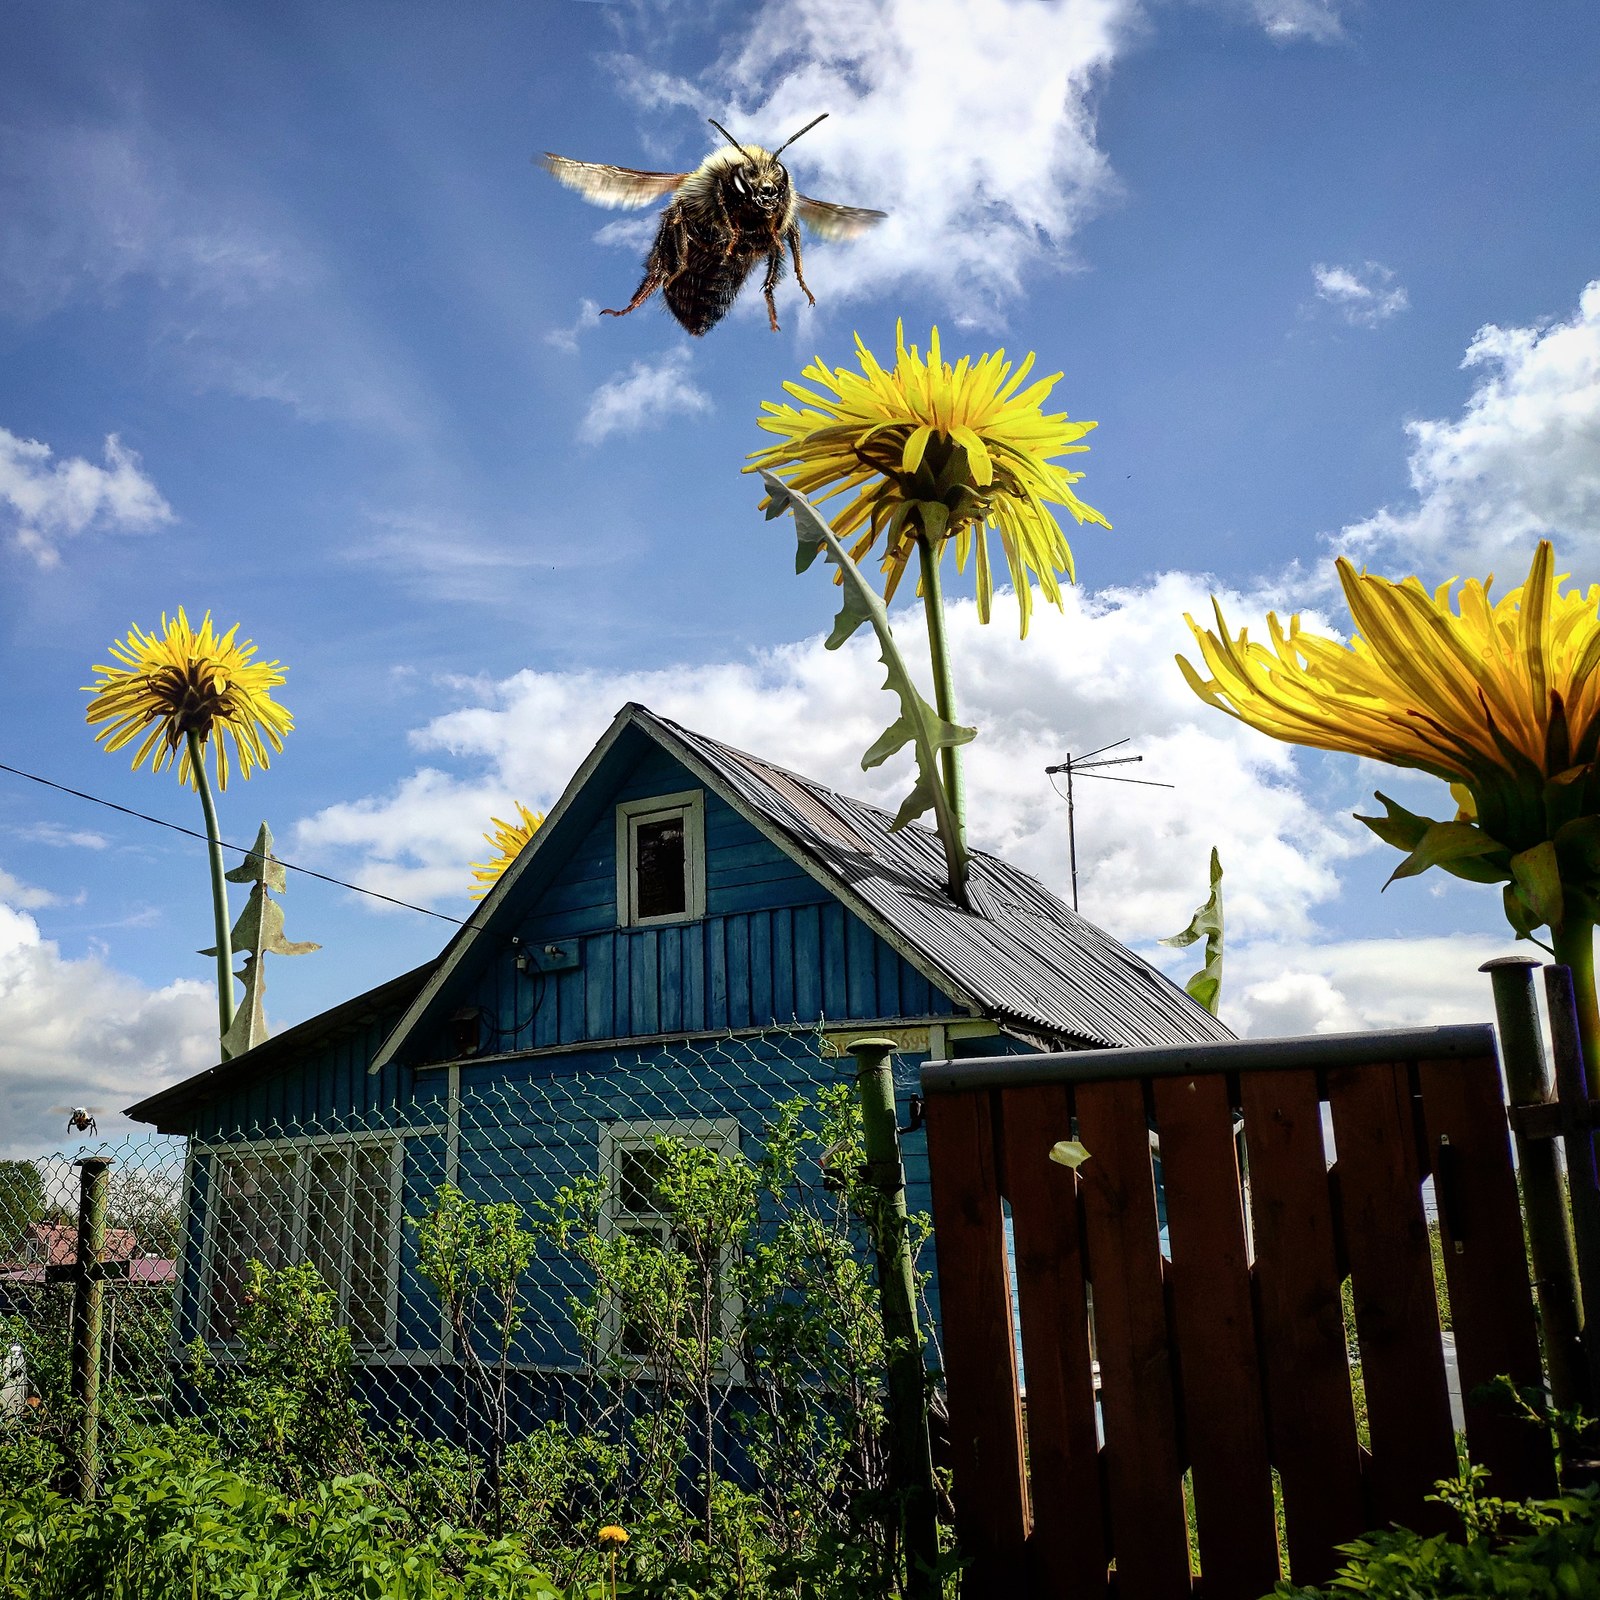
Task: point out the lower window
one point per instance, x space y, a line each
333 1203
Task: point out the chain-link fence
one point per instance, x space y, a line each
534 1301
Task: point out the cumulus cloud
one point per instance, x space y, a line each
1363 296
972 122
1102 672
1288 21
1521 462
78 1032
48 501
25 895
643 397
566 339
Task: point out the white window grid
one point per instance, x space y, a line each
616 1140
297 1156
689 804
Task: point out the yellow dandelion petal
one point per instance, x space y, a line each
1468 690
959 447
180 680
507 839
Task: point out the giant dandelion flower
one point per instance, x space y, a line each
506 840
181 682
931 453
1500 698
184 692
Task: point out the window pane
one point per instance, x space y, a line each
660 883
638 1172
371 1244
326 1185
251 1220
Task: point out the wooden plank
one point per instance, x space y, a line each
762 1013
979 1347
1067 1552
1144 1473
1309 1404
1485 1264
1218 1362
1391 1278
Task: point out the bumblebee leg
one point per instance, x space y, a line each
793 236
770 282
652 282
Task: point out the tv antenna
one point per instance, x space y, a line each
1084 766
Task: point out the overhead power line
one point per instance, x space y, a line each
191 833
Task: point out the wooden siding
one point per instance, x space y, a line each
773 948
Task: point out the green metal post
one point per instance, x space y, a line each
1544 1207
910 1449
88 1303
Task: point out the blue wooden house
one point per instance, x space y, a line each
661 957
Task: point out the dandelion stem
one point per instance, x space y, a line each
219 889
944 689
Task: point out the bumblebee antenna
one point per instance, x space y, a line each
793 136
726 135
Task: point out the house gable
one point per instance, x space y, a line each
553 967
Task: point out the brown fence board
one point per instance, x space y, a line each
1067 1551
1144 1470
1214 1320
1391 1277
979 1344
1309 1404
1485 1264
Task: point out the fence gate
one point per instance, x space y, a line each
1177 1351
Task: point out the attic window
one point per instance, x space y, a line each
661 859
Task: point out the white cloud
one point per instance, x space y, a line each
1102 672
1343 986
566 339
1363 296
646 395
78 1032
1290 20
972 122
61 838
49 501
1521 462
27 896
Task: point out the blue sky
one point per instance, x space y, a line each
292 327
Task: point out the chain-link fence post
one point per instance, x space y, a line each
910 1449
88 1306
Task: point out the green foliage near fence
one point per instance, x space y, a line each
1538 1550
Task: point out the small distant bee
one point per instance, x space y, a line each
80 1119
734 208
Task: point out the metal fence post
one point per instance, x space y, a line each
1583 1182
910 1449
1544 1208
88 1302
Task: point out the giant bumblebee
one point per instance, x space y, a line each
737 206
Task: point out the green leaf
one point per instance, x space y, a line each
1444 844
1537 876
1205 987
1399 827
918 723
1068 1153
1578 847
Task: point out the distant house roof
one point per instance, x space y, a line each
55 1244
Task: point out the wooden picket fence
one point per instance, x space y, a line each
1223 1355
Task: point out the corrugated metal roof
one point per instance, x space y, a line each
1020 954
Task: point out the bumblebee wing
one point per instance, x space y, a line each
623 187
829 221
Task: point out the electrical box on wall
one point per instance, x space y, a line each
555 955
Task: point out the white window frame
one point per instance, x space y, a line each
721 1134
689 804
298 1152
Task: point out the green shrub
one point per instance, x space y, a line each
1537 1549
